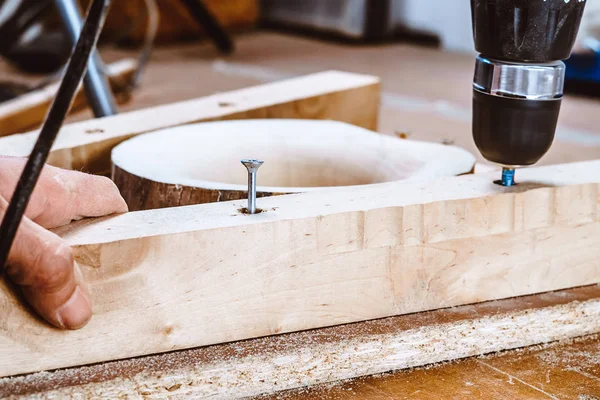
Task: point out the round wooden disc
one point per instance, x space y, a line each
200 163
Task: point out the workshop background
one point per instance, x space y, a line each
422 50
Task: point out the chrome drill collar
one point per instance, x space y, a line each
526 81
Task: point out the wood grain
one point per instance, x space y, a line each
182 277
283 362
332 95
564 370
29 110
200 163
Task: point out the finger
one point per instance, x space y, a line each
42 265
72 195
61 196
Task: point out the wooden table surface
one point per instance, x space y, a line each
568 370
427 96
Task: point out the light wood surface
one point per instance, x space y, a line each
562 370
182 277
29 110
332 95
200 163
297 360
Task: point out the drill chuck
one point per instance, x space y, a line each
519 76
515 109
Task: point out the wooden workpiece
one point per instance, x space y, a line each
432 112
190 276
200 163
298 360
29 110
332 95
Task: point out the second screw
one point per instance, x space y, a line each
252 166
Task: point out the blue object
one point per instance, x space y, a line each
583 73
508 176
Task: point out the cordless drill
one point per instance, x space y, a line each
519 76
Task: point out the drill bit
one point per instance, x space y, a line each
508 176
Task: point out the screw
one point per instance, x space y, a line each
252 166
508 176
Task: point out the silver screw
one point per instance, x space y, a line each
252 166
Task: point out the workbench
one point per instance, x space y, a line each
561 370
424 98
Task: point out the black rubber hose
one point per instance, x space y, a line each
206 20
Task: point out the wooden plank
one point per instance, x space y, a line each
182 277
562 370
200 163
332 95
237 370
28 111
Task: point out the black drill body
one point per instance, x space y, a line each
518 83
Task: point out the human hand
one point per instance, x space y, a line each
40 262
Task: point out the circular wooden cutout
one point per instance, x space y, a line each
200 163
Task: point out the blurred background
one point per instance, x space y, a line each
160 51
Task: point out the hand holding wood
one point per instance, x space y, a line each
40 262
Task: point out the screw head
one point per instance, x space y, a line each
252 165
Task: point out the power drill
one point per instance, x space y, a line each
519 76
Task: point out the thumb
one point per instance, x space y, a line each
42 264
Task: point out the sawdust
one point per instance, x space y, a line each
581 359
179 361
329 390
551 352
320 354
542 346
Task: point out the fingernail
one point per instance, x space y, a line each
76 312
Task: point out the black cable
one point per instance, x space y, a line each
153 18
210 24
54 119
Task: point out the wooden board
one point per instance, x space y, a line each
200 163
298 360
568 369
182 277
29 110
332 95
